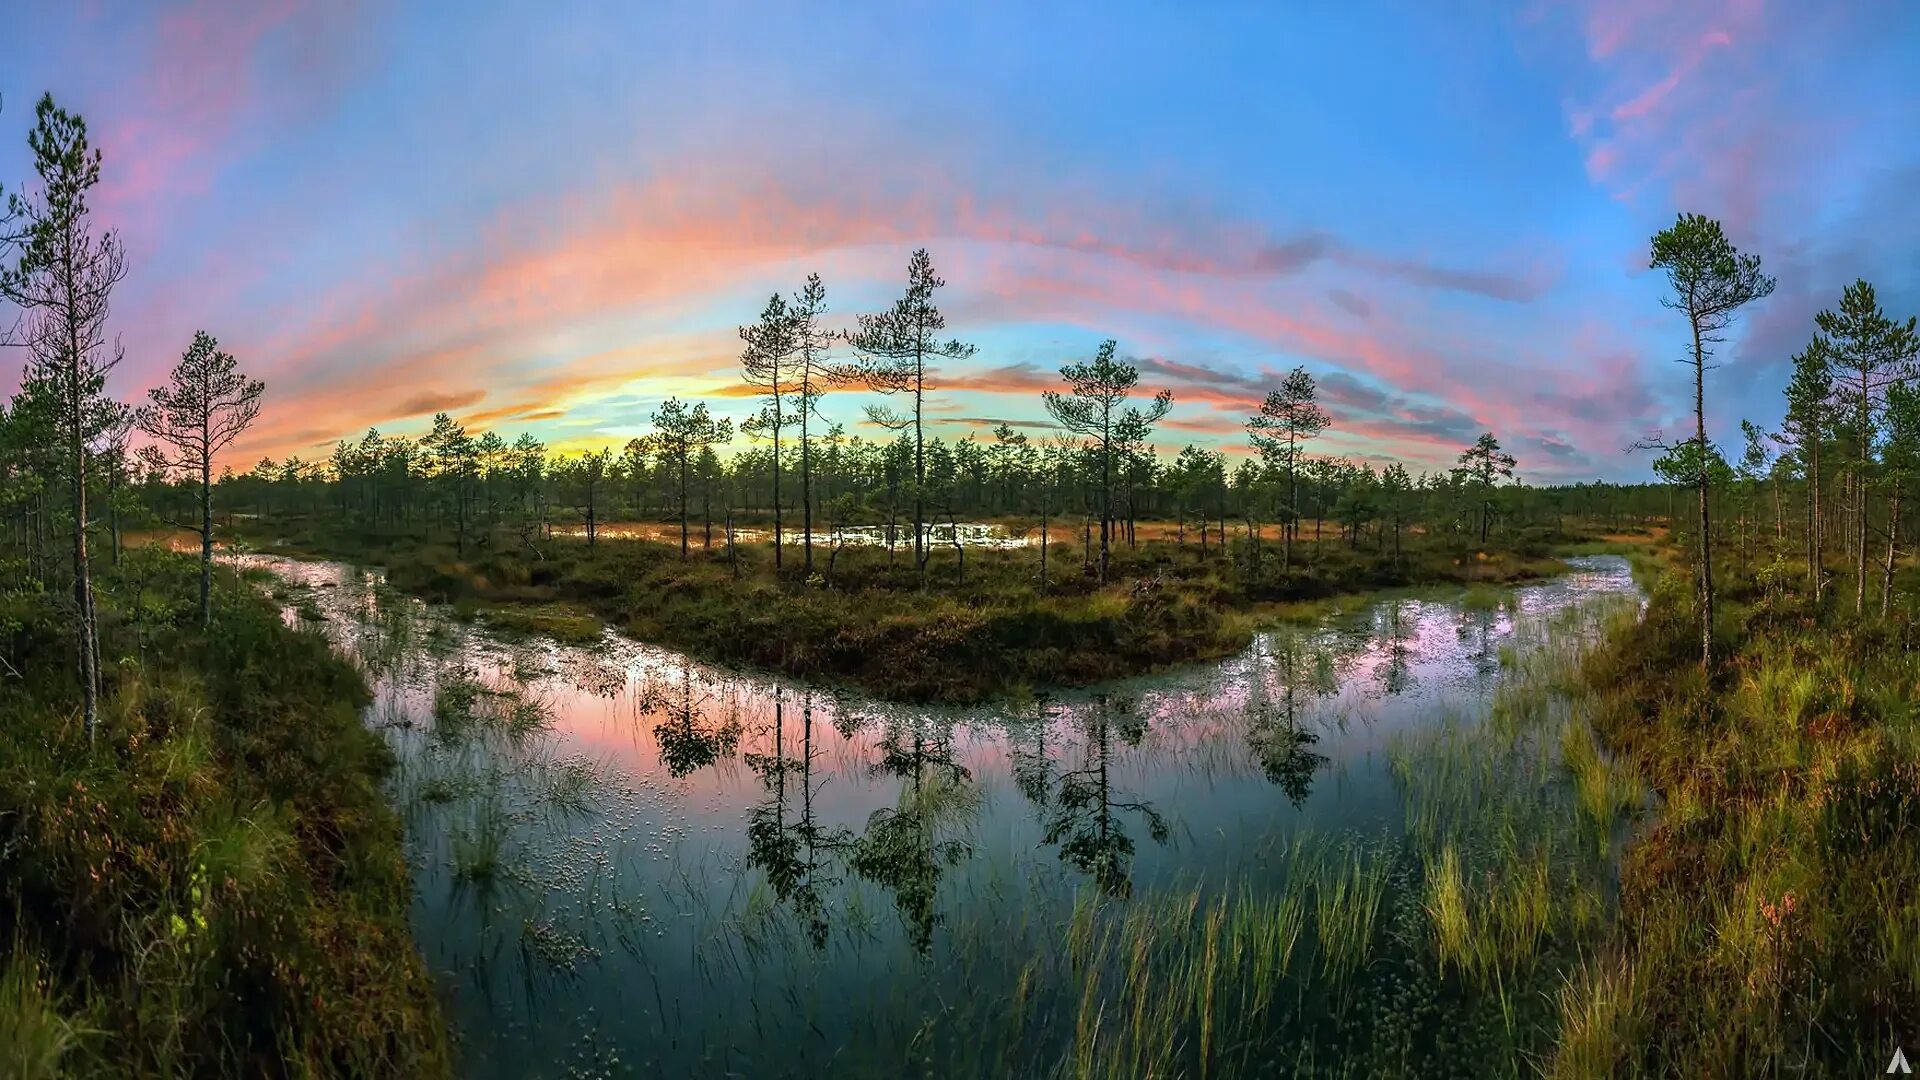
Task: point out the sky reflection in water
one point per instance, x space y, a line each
624 860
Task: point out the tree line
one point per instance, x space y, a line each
63 437
76 464
1848 448
1092 463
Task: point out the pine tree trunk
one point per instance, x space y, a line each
1813 519
1706 534
206 542
1860 502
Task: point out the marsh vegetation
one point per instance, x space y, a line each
1358 839
1036 757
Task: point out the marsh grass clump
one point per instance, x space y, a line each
466 707
1483 597
1332 968
458 700
35 1037
1763 917
1347 890
1605 788
569 784
218 867
872 623
559 622
480 846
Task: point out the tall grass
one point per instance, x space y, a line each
1765 918
35 1038
219 869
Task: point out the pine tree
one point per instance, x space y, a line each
1711 282
765 363
1091 408
205 405
1809 407
896 348
1869 353
1288 418
62 282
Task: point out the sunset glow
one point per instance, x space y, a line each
550 222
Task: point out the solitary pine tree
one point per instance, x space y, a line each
62 282
814 373
1711 282
204 406
1869 353
896 348
1484 465
1288 418
1092 408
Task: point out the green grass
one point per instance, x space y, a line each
213 886
1765 918
35 1038
1346 896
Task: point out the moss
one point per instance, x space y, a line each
561 622
216 881
1761 917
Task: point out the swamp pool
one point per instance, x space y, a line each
1373 843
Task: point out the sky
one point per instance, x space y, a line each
550 217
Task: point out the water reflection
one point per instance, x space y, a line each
786 840
1086 814
689 735
939 534
619 852
1276 736
907 847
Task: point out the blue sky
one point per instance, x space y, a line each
549 217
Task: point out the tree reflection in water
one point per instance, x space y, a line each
1027 754
906 848
1397 633
1279 741
1085 812
798 855
689 740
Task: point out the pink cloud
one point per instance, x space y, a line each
170 132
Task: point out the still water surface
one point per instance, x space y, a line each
629 863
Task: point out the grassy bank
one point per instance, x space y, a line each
1770 920
214 885
977 628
